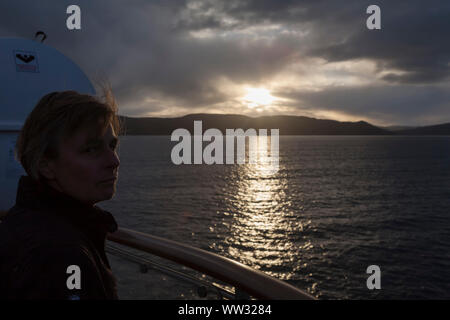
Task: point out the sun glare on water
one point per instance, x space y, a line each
258 97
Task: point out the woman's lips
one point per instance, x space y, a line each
109 181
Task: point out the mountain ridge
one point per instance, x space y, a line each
288 125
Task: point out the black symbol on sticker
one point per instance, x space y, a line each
25 58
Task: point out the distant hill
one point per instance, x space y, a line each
288 125
440 129
398 128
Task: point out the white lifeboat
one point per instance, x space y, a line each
28 70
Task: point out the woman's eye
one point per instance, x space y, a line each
91 149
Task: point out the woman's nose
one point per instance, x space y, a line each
113 159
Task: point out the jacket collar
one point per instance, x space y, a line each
34 195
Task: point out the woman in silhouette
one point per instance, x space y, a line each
52 242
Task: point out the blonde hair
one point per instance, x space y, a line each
56 117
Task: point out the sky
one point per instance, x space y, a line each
313 58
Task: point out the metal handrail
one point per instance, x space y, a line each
145 263
256 283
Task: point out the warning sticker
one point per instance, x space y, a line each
26 61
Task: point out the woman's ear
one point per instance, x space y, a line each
46 169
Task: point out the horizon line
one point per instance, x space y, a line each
408 126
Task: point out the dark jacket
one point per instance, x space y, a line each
45 233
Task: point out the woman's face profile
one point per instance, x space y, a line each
87 166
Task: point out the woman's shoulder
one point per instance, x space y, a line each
47 269
34 228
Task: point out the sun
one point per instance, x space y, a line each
258 97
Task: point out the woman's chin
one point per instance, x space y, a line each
105 194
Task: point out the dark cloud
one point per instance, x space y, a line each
401 104
414 43
413 38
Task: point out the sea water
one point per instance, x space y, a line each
337 205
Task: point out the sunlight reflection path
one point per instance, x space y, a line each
264 231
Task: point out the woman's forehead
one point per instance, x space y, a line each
91 133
